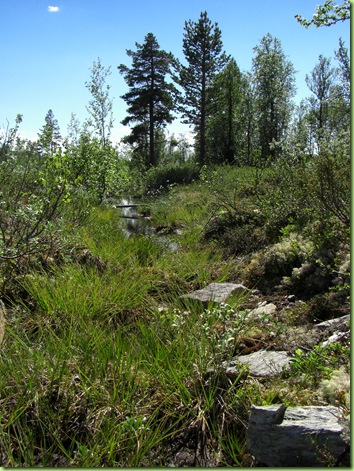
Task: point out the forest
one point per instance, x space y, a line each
102 363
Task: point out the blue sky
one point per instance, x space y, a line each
47 47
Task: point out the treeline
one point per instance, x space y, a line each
241 118
238 118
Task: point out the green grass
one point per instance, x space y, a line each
103 364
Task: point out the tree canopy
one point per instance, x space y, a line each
202 48
150 97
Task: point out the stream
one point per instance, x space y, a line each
135 223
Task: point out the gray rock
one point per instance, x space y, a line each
297 436
267 309
262 363
215 292
337 323
337 337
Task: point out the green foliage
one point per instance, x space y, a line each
327 14
318 363
227 124
100 106
98 170
34 193
202 47
164 176
317 189
150 98
49 138
274 78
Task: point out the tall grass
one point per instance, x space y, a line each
103 363
92 373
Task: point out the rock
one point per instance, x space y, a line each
340 323
262 363
297 436
215 292
267 309
337 337
2 321
336 329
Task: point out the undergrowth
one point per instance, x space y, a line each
103 363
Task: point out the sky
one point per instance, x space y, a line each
47 48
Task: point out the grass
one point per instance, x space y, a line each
104 365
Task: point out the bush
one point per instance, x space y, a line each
34 194
306 192
239 232
159 178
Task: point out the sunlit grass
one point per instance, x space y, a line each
103 363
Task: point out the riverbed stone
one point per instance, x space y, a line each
263 363
280 436
215 292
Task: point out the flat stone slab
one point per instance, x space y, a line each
262 363
297 436
216 292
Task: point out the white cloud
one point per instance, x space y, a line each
53 9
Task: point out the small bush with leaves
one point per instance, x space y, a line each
34 193
158 178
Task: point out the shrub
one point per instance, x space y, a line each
161 177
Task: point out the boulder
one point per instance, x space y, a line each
263 363
298 436
215 292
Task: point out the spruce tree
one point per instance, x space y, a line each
150 98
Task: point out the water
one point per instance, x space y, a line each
138 224
135 222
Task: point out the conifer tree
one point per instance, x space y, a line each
202 47
150 99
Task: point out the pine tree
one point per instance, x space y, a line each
150 98
202 47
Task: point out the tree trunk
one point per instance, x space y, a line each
202 145
152 157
